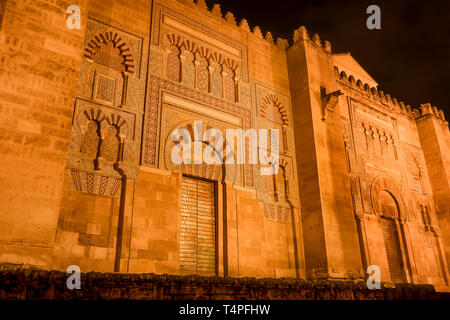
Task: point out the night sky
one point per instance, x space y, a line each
409 57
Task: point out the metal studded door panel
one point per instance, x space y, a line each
393 252
198 226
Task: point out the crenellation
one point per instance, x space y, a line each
428 109
402 106
229 16
415 112
269 38
257 32
442 115
216 10
395 102
282 43
327 46
316 40
386 98
244 25
300 34
201 4
436 112
377 94
409 109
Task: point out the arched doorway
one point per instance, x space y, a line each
203 224
388 205
389 212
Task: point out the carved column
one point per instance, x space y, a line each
173 63
202 73
187 69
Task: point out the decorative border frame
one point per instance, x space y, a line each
150 131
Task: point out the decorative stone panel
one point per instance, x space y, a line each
151 127
96 134
103 40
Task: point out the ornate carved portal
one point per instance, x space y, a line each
388 206
150 140
389 210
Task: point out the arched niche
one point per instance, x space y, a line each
110 50
387 199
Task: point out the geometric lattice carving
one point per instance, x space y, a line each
108 49
89 182
93 183
104 88
173 58
277 213
173 64
202 74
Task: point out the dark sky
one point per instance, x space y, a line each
409 57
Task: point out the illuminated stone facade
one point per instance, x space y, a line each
87 178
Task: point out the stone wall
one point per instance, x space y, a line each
39 68
51 285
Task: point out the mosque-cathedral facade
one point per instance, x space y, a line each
87 176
